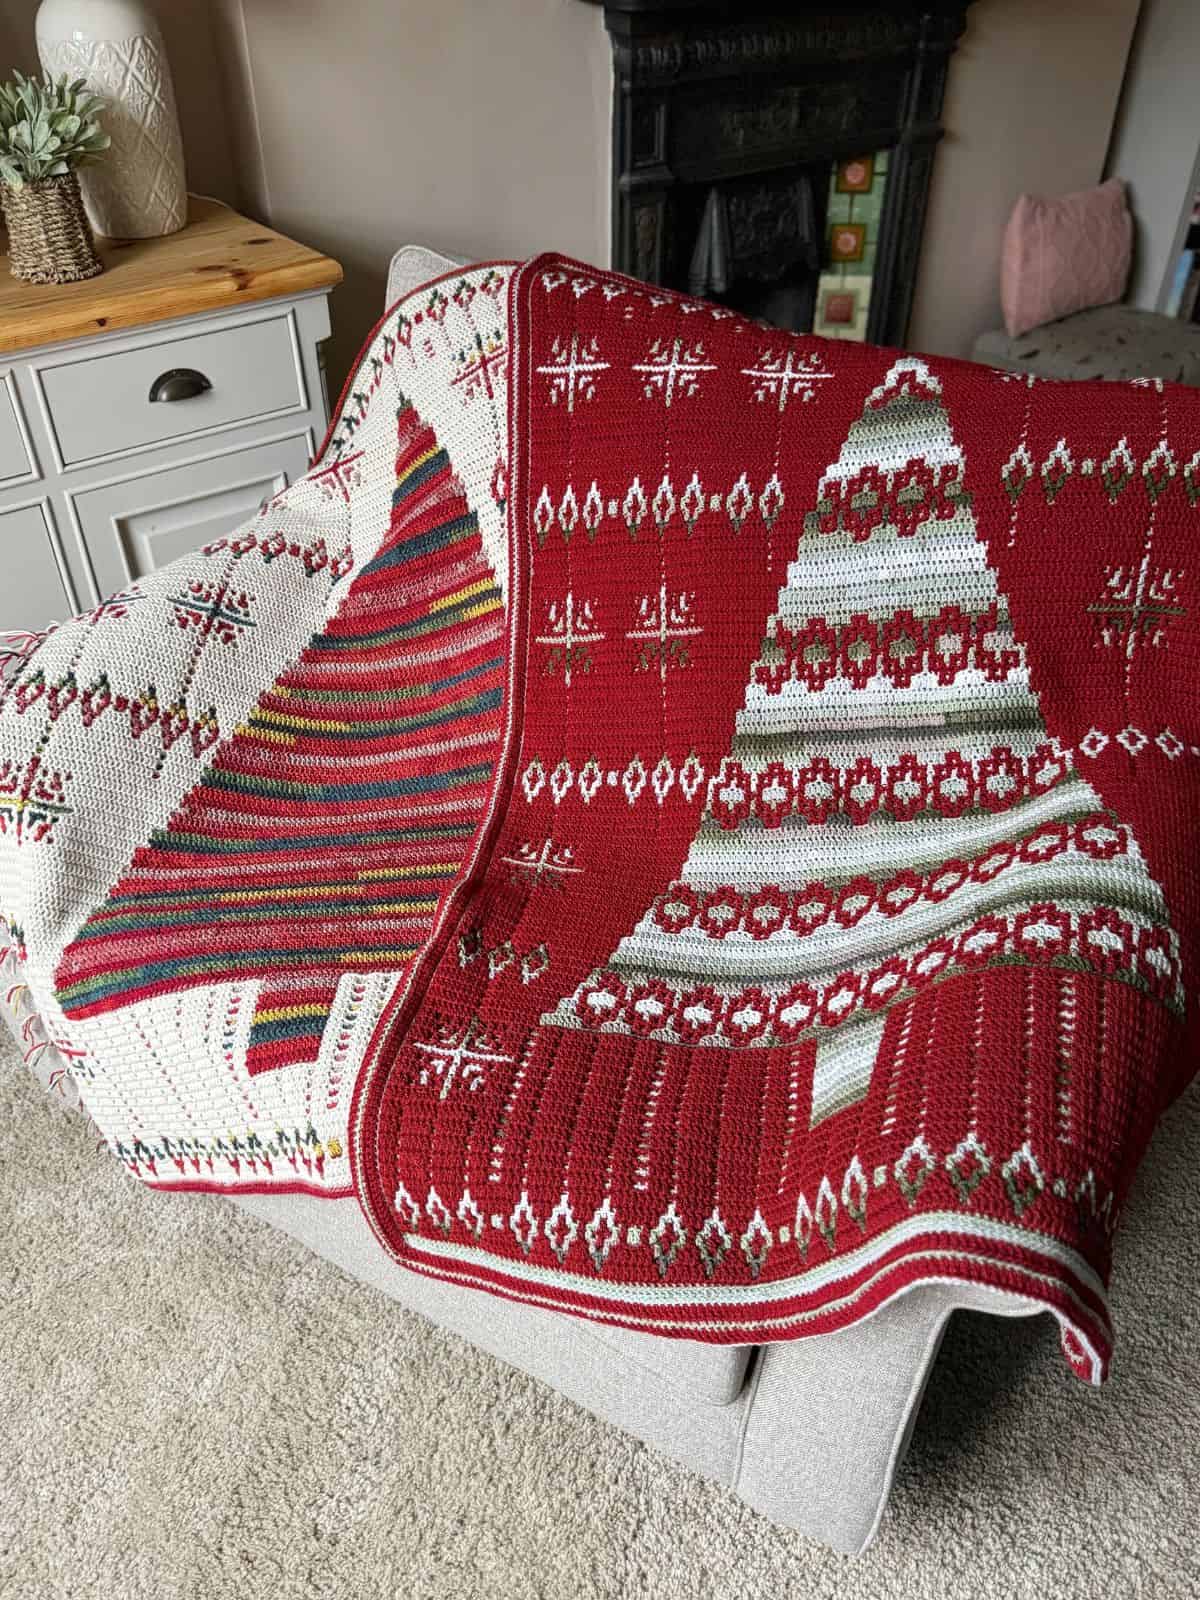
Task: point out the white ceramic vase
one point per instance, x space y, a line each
137 188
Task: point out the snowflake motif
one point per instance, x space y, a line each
1137 607
573 369
116 607
343 481
570 634
455 1053
32 799
212 608
542 863
672 370
783 375
335 482
665 625
474 366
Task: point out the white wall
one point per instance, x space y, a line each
1032 95
1157 137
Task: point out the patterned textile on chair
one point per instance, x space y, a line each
687 821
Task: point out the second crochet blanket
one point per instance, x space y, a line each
829 931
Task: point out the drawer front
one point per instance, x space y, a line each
33 593
133 526
99 405
16 462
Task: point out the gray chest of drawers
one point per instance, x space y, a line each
153 407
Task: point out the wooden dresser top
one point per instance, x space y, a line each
218 261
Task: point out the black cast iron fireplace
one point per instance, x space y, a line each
778 157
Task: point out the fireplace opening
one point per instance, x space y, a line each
758 244
797 249
780 162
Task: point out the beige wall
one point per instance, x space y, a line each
1158 137
1032 96
482 127
477 126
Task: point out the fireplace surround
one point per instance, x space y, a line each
779 157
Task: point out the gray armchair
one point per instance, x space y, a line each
809 1432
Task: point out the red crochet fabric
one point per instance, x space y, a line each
830 925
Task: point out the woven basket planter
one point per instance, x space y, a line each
49 236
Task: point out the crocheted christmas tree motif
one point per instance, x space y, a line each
835 875
318 842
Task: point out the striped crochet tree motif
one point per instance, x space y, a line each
834 875
318 842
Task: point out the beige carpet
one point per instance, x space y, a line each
193 1407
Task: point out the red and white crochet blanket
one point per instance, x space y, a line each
689 823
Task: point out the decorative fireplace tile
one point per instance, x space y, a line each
854 176
842 306
853 215
847 241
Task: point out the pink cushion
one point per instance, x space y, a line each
1065 254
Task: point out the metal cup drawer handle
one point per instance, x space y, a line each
180 383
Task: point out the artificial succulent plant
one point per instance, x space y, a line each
47 128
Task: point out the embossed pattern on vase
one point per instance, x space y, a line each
137 190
